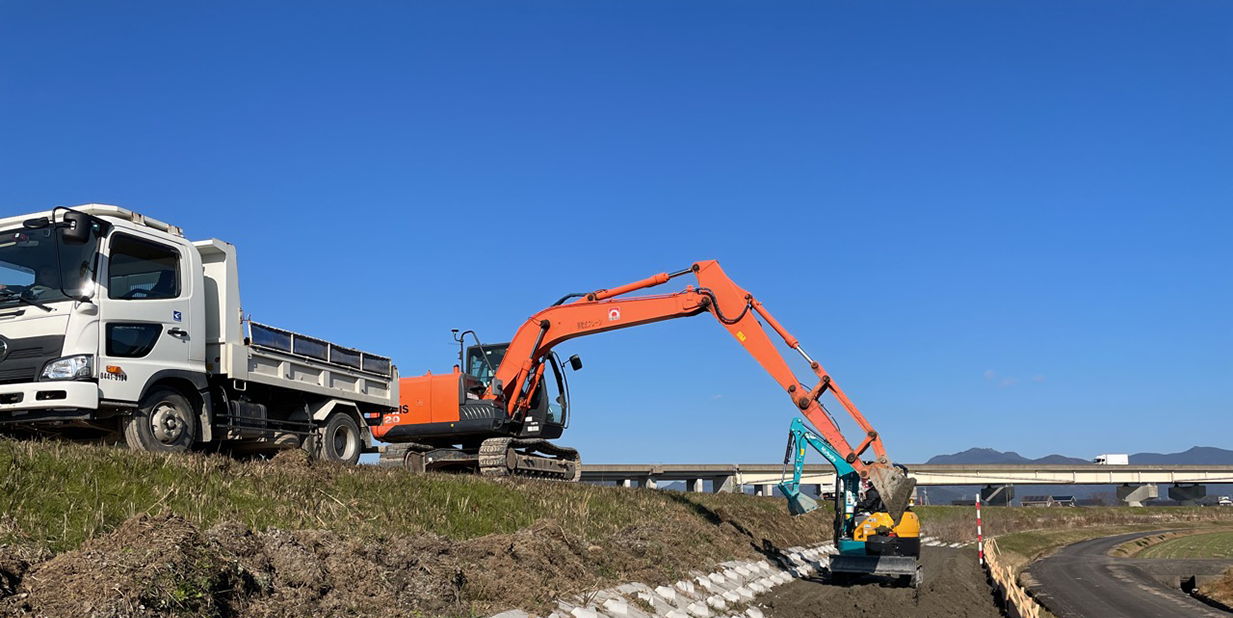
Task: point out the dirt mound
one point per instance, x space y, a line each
150 566
954 587
164 565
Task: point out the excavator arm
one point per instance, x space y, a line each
737 311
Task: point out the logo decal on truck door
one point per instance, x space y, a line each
175 315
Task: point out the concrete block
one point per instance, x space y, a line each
753 612
666 593
676 613
513 613
706 583
686 587
657 602
699 609
744 593
733 597
620 608
756 588
717 602
582 612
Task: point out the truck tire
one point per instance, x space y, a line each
163 422
339 440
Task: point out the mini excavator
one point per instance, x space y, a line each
495 413
868 539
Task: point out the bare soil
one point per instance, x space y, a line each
954 587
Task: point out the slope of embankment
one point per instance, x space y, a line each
105 532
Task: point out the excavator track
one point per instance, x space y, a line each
528 457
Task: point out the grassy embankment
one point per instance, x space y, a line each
1190 544
476 539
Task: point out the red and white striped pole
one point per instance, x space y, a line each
980 539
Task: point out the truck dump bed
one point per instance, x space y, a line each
278 357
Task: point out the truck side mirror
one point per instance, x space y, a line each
77 228
575 363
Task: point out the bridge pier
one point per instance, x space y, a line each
723 484
997 495
644 482
1188 495
694 485
1136 495
764 490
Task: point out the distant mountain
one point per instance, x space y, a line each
990 456
980 456
1199 455
1060 459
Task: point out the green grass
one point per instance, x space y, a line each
54 496
1210 545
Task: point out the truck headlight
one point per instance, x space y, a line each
69 368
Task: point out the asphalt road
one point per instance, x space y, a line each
1083 581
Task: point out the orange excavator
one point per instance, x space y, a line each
496 412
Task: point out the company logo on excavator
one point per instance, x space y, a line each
614 314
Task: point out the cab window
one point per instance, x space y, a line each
140 269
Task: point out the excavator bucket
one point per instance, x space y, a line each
798 502
894 487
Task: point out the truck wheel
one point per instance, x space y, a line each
163 422
339 440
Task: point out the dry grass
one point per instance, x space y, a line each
1220 590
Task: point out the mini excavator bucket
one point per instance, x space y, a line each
798 502
895 488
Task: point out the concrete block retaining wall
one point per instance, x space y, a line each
727 592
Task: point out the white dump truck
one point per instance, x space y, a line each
114 326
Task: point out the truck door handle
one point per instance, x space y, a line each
177 332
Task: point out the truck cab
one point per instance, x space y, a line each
93 311
113 324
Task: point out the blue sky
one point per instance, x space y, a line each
996 224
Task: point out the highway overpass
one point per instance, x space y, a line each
1134 483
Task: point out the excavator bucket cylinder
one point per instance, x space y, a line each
798 503
894 487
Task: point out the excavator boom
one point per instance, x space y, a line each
738 311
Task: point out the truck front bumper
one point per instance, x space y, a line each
17 400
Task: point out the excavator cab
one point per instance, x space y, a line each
548 413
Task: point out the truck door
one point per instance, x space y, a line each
144 313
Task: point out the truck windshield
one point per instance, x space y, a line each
36 265
476 356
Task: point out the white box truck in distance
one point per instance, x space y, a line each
114 325
1112 459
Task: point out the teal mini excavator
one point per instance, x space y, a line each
868 540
